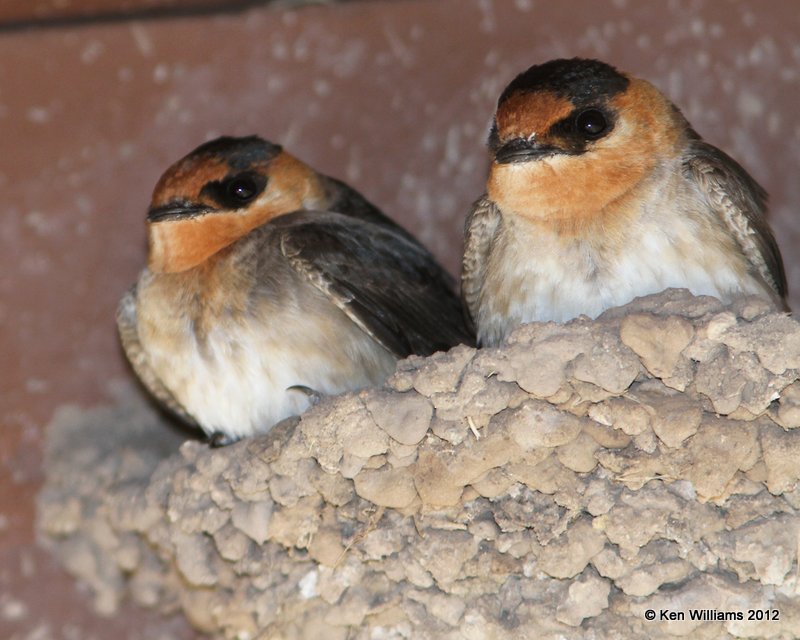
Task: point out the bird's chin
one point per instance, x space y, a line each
179 245
165 255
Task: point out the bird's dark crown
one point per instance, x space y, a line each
577 79
239 153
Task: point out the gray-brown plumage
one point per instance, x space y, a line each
600 191
244 305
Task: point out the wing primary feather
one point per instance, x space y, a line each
479 232
741 205
129 337
388 284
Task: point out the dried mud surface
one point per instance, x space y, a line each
559 486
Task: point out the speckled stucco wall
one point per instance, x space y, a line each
392 96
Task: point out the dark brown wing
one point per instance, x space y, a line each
344 199
479 231
391 287
741 205
129 336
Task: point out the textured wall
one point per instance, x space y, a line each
393 96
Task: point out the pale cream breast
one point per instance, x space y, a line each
228 351
669 240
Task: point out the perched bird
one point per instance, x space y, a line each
267 283
600 191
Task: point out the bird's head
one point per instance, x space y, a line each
576 134
220 192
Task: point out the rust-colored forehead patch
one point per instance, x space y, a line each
526 113
184 179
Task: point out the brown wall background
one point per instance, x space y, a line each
394 96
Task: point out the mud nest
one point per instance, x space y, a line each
560 486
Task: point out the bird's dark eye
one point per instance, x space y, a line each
236 191
591 123
241 189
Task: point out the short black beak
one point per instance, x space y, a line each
523 150
176 210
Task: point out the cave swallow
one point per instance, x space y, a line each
600 191
266 280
